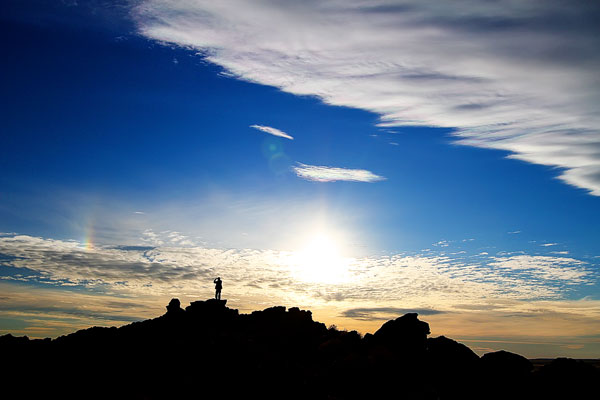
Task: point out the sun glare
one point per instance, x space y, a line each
319 260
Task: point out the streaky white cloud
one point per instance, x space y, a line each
515 76
420 279
548 244
331 174
272 131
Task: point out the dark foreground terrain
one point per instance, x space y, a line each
211 351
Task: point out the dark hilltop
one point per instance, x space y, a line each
211 351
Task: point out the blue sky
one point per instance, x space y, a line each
132 125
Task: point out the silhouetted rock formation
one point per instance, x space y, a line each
406 333
210 308
568 379
503 366
209 350
450 353
453 366
174 307
506 364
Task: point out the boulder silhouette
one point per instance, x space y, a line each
406 333
211 309
454 367
508 373
396 352
210 350
174 307
210 305
444 350
506 364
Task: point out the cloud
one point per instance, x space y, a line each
560 270
67 262
514 76
331 174
174 267
272 131
514 232
49 311
117 284
548 244
384 313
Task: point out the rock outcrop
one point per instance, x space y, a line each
209 350
406 333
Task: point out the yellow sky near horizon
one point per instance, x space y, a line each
548 329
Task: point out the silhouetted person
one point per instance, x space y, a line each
218 286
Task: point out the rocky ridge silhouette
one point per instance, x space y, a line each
209 350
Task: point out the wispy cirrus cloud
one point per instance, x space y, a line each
514 76
332 174
272 131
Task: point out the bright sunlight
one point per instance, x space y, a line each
319 260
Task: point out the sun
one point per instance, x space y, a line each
319 260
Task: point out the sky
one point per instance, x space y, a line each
360 159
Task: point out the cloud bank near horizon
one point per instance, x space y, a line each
425 278
514 76
51 287
272 131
